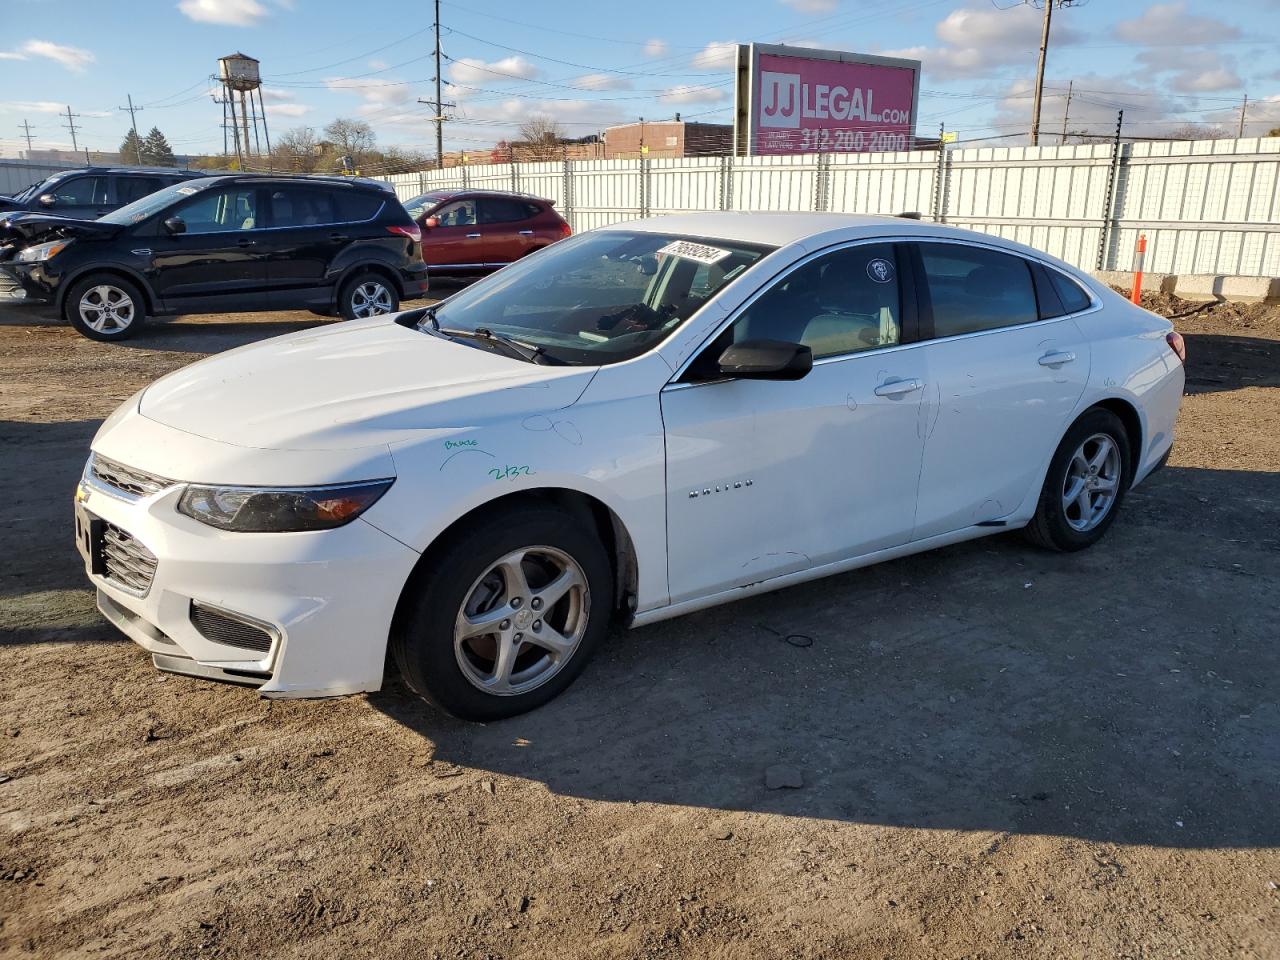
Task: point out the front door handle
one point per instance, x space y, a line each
245 243
898 388
1056 358
526 233
473 236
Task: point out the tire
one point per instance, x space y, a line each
1098 474
104 307
367 294
463 675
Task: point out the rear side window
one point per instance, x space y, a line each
1073 298
301 207
973 289
502 210
355 206
129 189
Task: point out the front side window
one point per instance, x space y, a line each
973 288
81 191
600 297
460 213
221 211
844 302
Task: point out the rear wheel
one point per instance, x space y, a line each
1086 482
105 307
368 295
507 614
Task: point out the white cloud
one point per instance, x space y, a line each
1169 23
691 94
227 13
602 81
288 109
73 58
655 48
1194 71
1146 110
377 94
376 64
11 55
811 6
33 106
471 70
716 54
979 38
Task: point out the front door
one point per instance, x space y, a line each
1003 384
767 478
219 262
457 241
84 198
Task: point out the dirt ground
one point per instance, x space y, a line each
1001 752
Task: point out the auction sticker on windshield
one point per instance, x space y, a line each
700 252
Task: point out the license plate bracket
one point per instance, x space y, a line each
90 532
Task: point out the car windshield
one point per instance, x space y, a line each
420 205
600 297
152 203
40 186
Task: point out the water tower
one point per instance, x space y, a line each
241 80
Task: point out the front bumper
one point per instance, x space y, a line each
29 278
325 598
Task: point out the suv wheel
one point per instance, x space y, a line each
105 307
368 295
506 615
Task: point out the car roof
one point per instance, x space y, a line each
812 229
151 171
335 180
449 193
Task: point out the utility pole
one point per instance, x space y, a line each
1066 112
133 120
439 105
1244 106
1044 50
26 132
71 125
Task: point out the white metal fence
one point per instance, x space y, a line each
1206 206
17 175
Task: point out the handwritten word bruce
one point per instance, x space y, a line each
454 444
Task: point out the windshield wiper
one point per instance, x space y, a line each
532 353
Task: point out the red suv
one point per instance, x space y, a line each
472 231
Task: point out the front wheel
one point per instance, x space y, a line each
368 295
1086 482
105 307
506 615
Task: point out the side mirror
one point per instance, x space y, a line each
431 222
176 225
766 360
47 200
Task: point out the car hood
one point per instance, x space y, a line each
353 385
31 227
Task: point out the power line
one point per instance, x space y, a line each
133 121
26 132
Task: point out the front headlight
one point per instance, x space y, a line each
280 509
42 251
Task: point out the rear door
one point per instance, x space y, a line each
506 229
457 241
126 189
303 236
220 261
1004 375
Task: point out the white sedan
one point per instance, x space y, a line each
640 421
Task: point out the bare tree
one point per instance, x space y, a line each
540 138
1193 131
297 149
351 138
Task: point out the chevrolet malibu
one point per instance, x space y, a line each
637 422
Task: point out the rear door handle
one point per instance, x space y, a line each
473 236
1056 358
526 233
245 243
338 237
898 388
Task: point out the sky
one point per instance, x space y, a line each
593 64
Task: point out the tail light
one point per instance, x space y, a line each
1177 344
565 230
413 232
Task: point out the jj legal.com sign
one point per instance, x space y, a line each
808 105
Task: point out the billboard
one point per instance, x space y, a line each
797 100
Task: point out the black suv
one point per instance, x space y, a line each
92 192
222 244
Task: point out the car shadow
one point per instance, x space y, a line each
1218 362
1125 694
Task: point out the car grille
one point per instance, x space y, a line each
213 624
135 483
126 561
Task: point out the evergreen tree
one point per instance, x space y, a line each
131 148
156 151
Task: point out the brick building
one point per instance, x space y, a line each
668 138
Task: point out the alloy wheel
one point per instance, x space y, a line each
106 309
522 620
370 299
1092 482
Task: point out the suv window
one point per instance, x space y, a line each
356 206
129 189
972 288
460 213
81 191
302 207
845 302
220 211
1073 298
502 210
